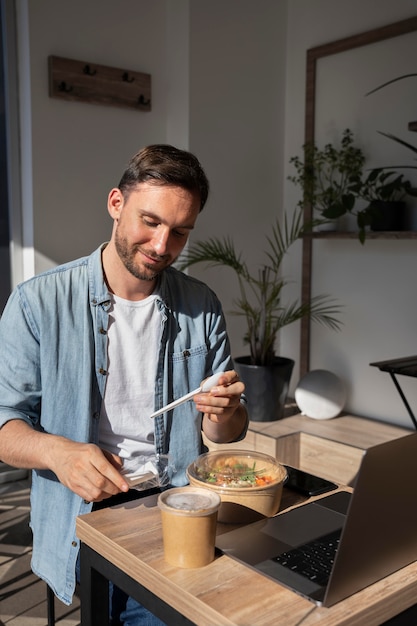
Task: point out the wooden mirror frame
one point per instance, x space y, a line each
313 56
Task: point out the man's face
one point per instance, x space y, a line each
152 226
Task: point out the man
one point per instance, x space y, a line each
92 348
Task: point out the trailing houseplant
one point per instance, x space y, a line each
261 302
328 177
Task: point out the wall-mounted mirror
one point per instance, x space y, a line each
338 76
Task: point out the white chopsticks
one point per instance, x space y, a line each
206 386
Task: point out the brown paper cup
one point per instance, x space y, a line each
189 518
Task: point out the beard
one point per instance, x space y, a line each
127 254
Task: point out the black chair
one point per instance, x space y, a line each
50 603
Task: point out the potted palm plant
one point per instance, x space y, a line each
261 303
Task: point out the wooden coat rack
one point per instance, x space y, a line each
98 84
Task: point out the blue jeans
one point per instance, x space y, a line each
125 611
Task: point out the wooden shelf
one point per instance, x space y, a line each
333 234
330 448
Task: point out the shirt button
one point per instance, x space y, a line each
186 353
103 331
102 371
74 544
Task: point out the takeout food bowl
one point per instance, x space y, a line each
249 483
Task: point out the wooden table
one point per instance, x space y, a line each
124 544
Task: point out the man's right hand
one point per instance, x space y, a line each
82 467
87 470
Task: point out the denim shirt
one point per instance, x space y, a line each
53 338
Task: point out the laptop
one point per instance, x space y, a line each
367 535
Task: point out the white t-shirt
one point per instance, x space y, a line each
134 336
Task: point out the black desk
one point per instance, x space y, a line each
406 366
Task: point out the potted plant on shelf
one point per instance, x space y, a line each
328 177
261 302
385 193
333 182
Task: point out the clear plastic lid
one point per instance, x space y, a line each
236 469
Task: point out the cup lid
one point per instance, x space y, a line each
194 501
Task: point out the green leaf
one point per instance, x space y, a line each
261 292
390 82
399 140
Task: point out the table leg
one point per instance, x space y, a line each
94 591
404 399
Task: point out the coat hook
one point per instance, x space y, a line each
64 88
126 78
87 70
143 101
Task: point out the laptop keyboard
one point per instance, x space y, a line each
313 560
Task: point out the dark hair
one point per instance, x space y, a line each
166 165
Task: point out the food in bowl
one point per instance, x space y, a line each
249 483
234 471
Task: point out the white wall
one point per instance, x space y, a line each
237 73
228 81
217 77
79 150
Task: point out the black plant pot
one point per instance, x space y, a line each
388 215
266 387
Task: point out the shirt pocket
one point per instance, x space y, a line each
189 369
